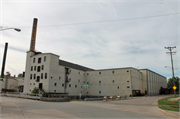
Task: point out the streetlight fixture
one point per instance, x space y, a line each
16 29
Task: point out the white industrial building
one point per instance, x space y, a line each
47 72
12 83
51 74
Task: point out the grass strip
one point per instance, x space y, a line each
168 105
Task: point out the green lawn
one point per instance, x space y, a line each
168 105
172 97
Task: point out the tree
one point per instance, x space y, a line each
35 90
170 83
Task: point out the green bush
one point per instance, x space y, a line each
35 91
45 94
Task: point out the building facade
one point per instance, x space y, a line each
47 72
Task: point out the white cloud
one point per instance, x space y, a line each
131 43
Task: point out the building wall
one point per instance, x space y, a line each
136 78
154 81
101 82
27 72
11 84
105 82
144 81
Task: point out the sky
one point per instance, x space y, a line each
99 34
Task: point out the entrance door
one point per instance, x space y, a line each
40 85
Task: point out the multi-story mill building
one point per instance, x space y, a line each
46 71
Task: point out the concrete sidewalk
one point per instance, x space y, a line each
171 113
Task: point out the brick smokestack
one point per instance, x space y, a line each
33 36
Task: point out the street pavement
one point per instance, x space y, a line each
144 107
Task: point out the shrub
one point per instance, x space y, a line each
35 90
45 94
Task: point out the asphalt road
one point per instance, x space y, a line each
144 107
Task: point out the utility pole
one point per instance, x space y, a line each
170 49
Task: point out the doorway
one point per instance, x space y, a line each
40 85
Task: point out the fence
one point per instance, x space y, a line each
23 95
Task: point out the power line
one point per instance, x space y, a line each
118 20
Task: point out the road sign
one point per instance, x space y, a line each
86 84
174 87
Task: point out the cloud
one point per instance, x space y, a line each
132 43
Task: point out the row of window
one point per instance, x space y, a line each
31 75
55 84
112 81
39 60
100 72
39 68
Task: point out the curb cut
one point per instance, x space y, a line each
166 112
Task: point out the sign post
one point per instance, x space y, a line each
86 85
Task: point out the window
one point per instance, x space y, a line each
69 85
54 90
87 82
54 84
99 72
34 68
81 91
45 75
59 77
29 90
128 86
62 85
33 83
30 83
113 81
81 86
87 73
127 81
31 76
113 72
99 92
79 80
39 60
38 68
69 79
42 67
79 72
34 60
51 77
75 86
34 76
118 87
44 58
99 81
127 71
38 79
31 68
87 92
41 75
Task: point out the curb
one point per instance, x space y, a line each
166 112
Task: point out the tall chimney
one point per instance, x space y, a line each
33 36
4 60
